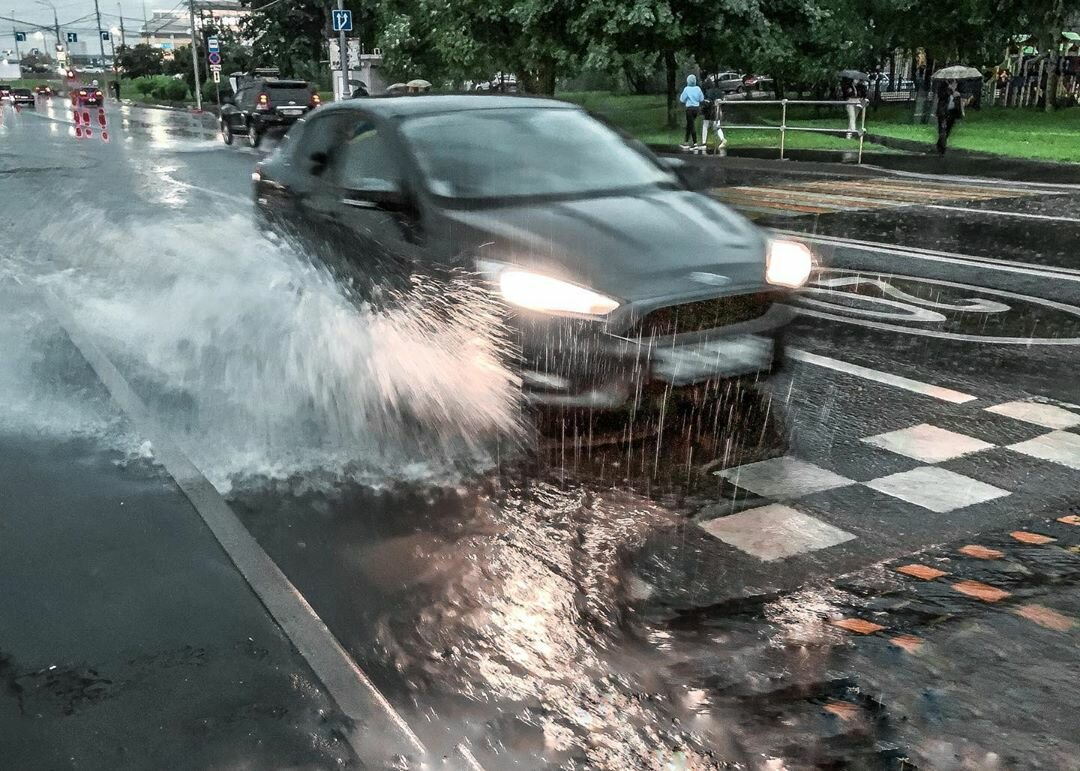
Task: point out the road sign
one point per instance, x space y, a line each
20 37
214 57
354 55
212 45
342 20
73 37
217 76
215 68
105 35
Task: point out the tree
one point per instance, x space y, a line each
141 60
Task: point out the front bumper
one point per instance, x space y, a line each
564 366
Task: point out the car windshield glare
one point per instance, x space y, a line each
525 152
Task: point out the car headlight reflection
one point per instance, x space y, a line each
788 263
537 292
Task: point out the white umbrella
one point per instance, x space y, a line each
956 72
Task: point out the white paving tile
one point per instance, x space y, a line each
927 443
784 477
1046 415
775 531
1057 446
936 489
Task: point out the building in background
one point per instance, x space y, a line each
171 29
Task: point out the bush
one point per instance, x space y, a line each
176 90
145 86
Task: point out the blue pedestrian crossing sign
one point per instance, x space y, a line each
342 20
20 37
73 37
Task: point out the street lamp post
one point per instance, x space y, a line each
195 58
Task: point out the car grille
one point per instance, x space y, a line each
702 315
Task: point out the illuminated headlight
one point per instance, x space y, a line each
788 263
537 292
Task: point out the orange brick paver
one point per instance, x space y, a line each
1046 617
981 552
1023 536
907 642
925 572
980 591
857 625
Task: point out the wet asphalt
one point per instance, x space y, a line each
565 602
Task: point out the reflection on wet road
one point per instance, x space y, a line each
712 580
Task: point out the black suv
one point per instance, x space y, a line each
262 104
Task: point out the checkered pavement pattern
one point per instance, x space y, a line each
779 529
828 197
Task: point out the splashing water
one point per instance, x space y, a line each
260 365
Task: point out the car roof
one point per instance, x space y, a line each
433 104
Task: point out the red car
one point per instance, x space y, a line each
87 96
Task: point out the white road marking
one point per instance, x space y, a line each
897 381
932 255
999 213
928 443
936 489
848 315
1058 447
785 477
979 181
775 531
346 683
1045 415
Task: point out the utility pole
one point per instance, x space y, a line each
101 41
123 39
343 56
15 34
194 57
145 28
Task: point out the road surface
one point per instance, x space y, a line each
245 522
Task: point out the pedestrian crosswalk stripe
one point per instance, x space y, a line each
825 197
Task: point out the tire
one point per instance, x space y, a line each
254 135
226 133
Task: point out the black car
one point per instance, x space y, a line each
265 104
23 97
616 277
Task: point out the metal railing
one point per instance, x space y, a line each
783 128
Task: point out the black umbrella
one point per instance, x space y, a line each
853 75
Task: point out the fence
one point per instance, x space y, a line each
783 128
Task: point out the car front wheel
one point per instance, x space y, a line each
226 133
254 135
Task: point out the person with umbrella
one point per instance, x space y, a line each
951 99
853 91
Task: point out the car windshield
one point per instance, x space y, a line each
525 152
21 91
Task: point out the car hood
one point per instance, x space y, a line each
634 247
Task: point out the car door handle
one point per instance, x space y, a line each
360 204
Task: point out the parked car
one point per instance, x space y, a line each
728 81
262 104
23 97
617 279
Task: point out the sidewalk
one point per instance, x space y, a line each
127 637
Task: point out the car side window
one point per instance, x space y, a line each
325 133
365 161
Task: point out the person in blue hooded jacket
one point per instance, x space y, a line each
691 97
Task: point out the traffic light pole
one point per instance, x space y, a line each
15 34
100 39
194 57
343 56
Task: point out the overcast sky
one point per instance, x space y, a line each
74 16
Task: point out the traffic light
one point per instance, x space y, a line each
73 37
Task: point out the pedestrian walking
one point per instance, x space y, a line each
691 97
950 108
712 112
116 89
854 92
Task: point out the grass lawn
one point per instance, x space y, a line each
644 117
1019 133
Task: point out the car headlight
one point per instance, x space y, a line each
537 292
788 263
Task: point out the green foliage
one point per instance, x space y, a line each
141 60
146 86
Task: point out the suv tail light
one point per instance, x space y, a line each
264 102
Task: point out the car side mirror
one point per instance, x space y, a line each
319 161
695 176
